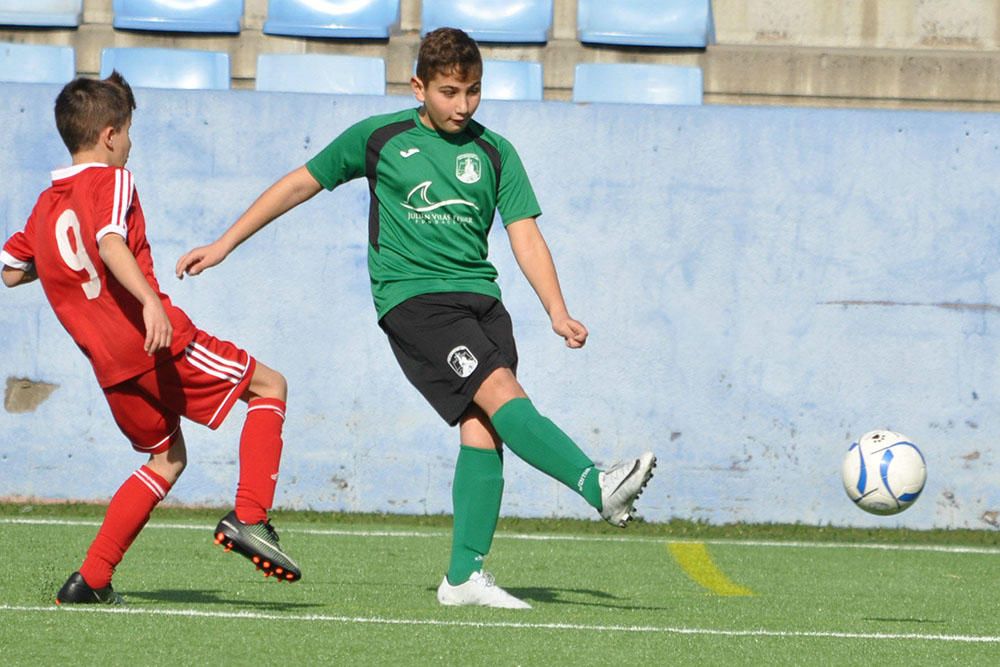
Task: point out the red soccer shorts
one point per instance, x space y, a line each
202 384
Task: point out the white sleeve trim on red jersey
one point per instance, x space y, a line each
14 262
124 189
111 229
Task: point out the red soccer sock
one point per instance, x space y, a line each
260 456
127 514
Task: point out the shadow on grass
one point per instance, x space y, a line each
904 620
578 597
212 597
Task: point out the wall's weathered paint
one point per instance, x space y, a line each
761 287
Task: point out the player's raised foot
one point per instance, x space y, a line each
76 590
479 591
621 485
258 542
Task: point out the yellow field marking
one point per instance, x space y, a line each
694 560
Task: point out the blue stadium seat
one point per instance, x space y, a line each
168 68
36 63
512 80
217 16
637 84
316 73
345 19
678 23
41 13
526 21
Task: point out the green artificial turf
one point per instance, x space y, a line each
600 595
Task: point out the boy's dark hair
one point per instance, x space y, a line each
87 106
448 51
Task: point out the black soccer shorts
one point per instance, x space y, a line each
448 343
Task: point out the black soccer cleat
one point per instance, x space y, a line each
258 542
76 590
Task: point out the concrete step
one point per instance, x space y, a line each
862 74
881 24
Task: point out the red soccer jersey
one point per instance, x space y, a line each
85 203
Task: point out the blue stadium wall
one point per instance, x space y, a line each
762 286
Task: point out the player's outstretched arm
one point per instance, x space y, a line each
290 191
120 261
533 256
17 264
13 277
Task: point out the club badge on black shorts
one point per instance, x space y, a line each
462 361
447 343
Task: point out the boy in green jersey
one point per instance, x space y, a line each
436 178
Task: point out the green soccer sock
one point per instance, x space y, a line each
542 444
475 494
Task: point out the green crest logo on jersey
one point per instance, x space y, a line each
468 168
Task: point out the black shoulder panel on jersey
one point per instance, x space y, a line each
373 150
491 152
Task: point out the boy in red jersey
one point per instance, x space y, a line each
86 242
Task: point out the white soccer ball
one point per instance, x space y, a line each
884 472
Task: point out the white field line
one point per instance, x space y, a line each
334 532
579 627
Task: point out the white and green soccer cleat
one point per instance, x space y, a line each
479 591
621 485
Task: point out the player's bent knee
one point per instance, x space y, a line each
498 388
167 468
267 383
171 463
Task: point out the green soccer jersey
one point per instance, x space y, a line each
433 198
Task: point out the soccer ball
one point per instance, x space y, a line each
884 472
